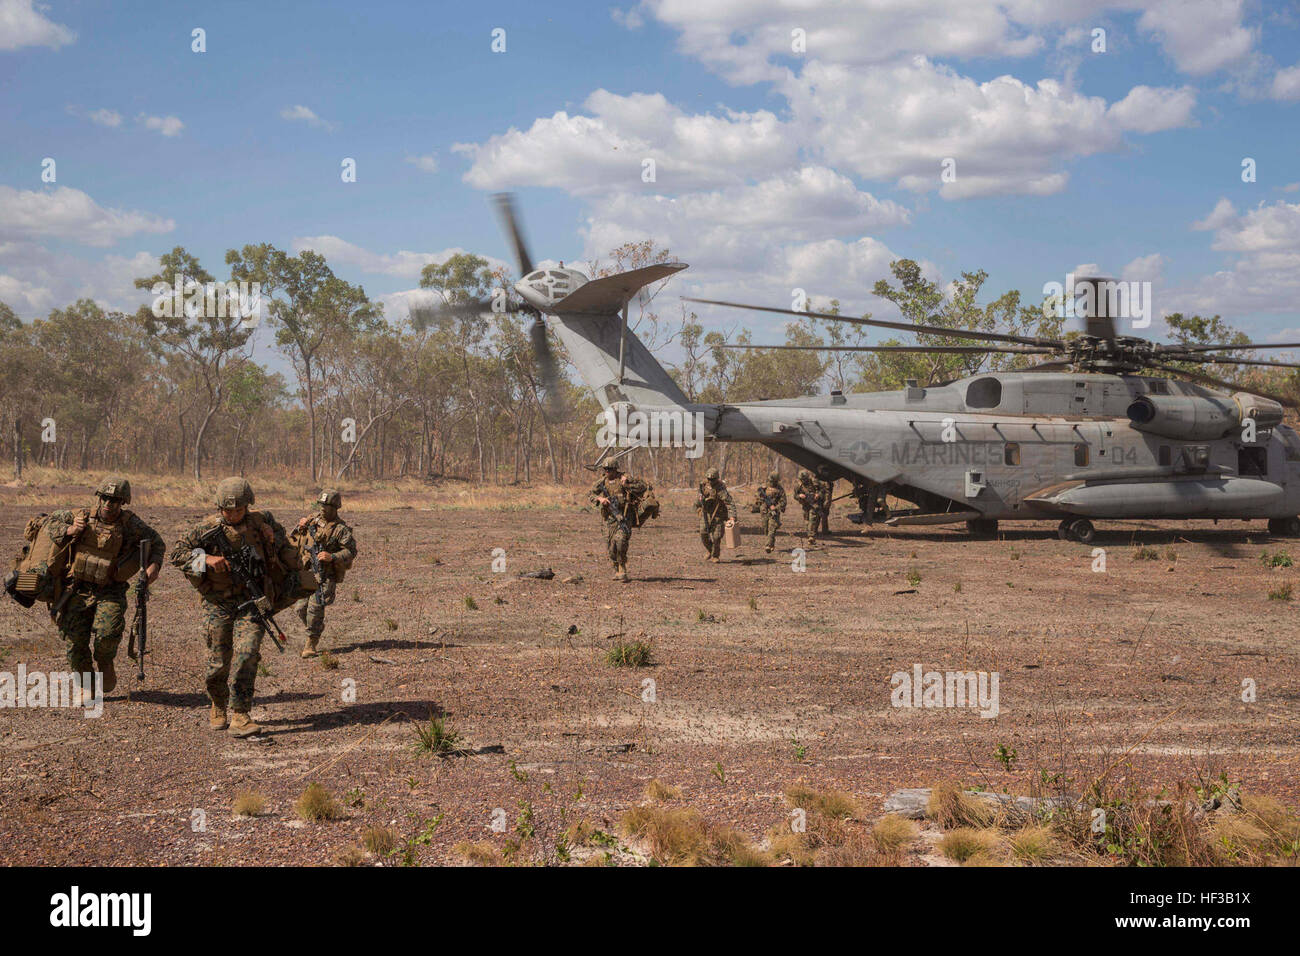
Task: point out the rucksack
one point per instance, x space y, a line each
38 572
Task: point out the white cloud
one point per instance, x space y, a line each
629 19
1265 274
167 125
605 151
1145 269
1149 109
1222 213
34 280
106 117
66 213
901 122
402 264
1286 83
1200 36
303 114
23 24
427 163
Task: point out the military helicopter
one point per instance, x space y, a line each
1084 435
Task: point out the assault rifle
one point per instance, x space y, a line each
314 548
618 505
140 623
247 569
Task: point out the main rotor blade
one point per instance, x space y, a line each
900 326
547 369
505 204
1166 348
1058 365
1221 384
942 349
1218 360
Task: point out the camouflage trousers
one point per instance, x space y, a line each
312 612
813 517
234 650
616 538
98 615
771 524
711 530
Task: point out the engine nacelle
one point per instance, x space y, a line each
1263 411
1186 417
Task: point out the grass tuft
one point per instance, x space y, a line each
316 805
249 803
635 654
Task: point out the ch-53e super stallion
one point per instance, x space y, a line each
1084 435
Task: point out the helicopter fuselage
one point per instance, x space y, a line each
1038 445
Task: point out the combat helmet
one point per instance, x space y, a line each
774 478
712 474
115 486
804 475
329 498
234 493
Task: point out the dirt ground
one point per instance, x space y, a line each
763 676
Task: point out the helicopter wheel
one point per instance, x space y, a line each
982 527
1063 529
1082 531
1284 527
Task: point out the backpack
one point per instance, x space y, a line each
648 506
38 572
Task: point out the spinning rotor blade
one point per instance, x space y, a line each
1166 349
1218 360
1228 386
505 204
942 349
901 326
547 369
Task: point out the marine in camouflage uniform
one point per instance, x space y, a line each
828 495
617 494
331 538
770 503
716 510
105 551
809 493
234 638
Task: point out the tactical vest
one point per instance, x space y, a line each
95 553
322 532
222 583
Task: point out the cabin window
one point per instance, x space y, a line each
984 393
1252 461
1081 454
1011 453
1164 457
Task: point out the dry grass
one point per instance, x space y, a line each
249 803
658 792
950 806
829 803
478 854
972 847
1034 844
352 856
682 838
379 841
316 805
892 833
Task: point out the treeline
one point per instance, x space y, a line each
437 392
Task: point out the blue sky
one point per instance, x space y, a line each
775 169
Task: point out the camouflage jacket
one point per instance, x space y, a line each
810 494
715 500
770 498
617 492
134 530
258 529
333 536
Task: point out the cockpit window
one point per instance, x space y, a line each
984 393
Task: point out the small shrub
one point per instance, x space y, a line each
657 792
1283 592
328 661
635 654
379 841
968 845
913 577
316 805
470 603
249 803
436 737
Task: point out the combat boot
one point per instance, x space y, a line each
618 571
241 725
218 719
109 673
622 573
309 649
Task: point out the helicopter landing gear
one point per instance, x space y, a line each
1284 527
1076 529
982 527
